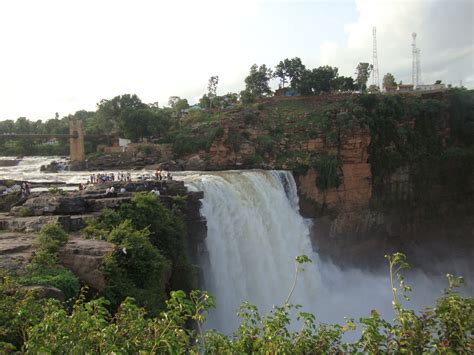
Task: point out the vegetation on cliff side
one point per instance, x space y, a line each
45 269
151 256
47 326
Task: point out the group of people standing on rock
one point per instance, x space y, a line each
103 177
163 175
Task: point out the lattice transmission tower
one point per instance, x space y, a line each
419 81
414 66
375 61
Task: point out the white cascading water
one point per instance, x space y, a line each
255 232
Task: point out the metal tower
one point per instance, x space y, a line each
375 61
418 67
414 72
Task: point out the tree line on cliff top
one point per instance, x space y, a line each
129 117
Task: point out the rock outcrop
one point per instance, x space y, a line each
84 258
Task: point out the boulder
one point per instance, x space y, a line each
32 224
49 204
16 250
9 162
195 163
42 292
84 258
52 167
171 165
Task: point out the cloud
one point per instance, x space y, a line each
444 35
63 56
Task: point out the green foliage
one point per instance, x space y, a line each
58 277
19 310
363 72
327 167
90 328
44 269
157 233
247 97
319 80
250 118
47 327
265 145
57 191
28 146
187 141
389 81
139 123
257 82
52 237
109 111
8 200
136 268
289 70
25 212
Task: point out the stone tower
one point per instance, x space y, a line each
76 143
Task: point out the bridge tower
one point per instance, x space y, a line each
76 144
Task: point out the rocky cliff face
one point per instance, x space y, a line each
391 185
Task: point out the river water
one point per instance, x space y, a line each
255 232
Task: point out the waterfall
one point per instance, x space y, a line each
254 234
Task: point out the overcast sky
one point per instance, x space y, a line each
63 56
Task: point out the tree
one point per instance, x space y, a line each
389 81
437 82
257 81
178 104
363 72
324 77
321 79
373 89
343 83
212 89
108 111
136 124
290 70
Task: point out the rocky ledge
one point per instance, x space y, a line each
82 256
19 227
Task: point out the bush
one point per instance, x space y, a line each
25 212
57 191
266 145
89 328
44 269
328 172
19 310
52 237
58 277
7 201
136 269
165 232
